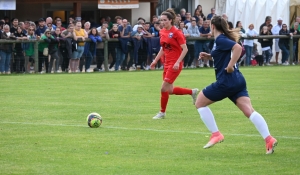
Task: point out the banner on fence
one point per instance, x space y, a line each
118 4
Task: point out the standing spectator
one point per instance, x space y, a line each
125 32
110 24
57 35
5 50
248 43
201 45
275 31
239 25
140 52
41 28
118 20
49 20
268 21
212 14
52 49
140 22
100 48
284 44
173 49
224 16
59 25
91 49
182 28
154 20
295 31
22 25
67 47
266 45
19 58
188 19
86 27
71 20
199 8
177 21
200 23
29 51
155 30
112 46
193 31
183 14
14 26
79 35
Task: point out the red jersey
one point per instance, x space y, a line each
170 41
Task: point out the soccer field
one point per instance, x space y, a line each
43 128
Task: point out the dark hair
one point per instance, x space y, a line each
222 26
90 32
230 25
170 13
237 23
268 18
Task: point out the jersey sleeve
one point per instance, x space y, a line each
180 38
225 43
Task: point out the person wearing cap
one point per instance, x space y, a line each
139 23
275 31
212 14
139 50
41 28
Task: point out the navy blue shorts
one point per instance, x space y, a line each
230 86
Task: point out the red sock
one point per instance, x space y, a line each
164 101
182 91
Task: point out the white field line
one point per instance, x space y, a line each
145 129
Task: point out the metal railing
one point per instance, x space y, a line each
105 41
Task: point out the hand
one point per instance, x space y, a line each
202 55
176 66
229 69
153 64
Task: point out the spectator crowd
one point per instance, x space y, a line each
65 47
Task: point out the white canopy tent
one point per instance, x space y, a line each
255 12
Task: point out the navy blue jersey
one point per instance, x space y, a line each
221 54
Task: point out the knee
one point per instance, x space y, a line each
247 112
166 89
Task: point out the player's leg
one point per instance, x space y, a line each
244 104
208 119
165 90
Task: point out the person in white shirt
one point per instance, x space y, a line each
248 43
275 31
99 28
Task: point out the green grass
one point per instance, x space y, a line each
43 127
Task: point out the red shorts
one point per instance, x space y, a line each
170 75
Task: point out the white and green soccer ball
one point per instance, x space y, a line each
94 120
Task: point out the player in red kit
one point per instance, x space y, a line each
173 49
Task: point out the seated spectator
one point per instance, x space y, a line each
266 45
6 50
212 14
19 59
248 43
193 31
284 44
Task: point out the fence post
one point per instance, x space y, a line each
291 51
106 55
36 57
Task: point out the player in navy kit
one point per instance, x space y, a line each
230 84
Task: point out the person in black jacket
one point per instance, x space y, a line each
19 60
266 45
52 50
295 31
284 44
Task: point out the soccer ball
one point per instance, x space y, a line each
94 120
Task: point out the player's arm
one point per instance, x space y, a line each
204 56
158 56
183 53
236 52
